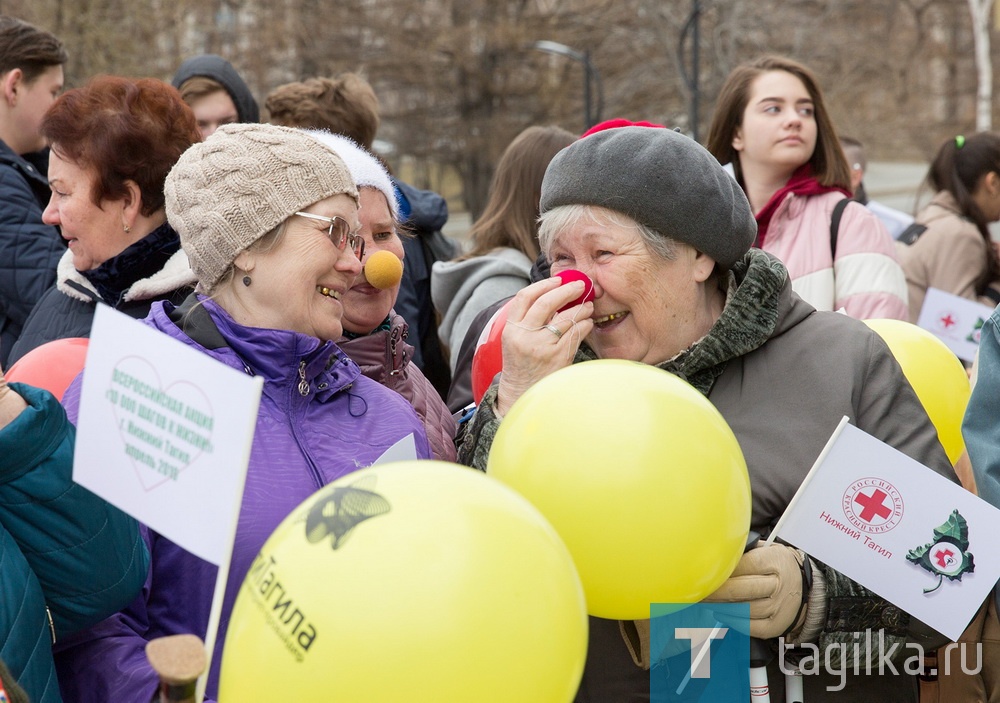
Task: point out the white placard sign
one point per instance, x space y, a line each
954 320
164 433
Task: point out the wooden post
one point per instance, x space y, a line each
178 660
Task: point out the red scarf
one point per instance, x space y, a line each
802 182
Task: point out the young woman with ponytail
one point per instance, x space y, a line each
954 252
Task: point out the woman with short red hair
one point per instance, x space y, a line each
113 142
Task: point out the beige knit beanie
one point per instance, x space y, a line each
227 192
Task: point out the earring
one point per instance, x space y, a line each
127 229
246 281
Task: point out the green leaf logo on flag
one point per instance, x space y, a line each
977 331
948 554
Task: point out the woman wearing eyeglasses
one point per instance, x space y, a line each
113 142
268 217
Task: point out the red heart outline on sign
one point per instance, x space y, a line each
156 443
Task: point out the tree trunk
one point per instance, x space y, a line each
980 10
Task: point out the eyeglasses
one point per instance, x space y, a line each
340 233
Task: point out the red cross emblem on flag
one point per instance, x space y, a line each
944 558
872 505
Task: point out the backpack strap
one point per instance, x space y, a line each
838 212
993 294
912 233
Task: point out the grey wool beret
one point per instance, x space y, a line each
661 179
228 191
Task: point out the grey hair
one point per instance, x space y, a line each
565 216
228 279
260 246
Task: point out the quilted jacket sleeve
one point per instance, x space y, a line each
869 281
107 662
29 252
88 556
25 639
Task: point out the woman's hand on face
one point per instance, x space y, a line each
537 339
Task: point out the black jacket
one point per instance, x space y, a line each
67 309
29 249
424 213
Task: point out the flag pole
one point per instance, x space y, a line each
805 482
215 613
758 674
213 626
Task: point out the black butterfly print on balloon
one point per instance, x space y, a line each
342 509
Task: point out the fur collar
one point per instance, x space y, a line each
175 274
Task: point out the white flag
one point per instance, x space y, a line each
403 450
954 320
901 530
164 433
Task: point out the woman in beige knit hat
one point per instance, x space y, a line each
268 217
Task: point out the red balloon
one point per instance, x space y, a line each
570 275
52 366
487 362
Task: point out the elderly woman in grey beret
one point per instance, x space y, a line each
665 234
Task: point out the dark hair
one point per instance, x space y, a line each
28 48
344 105
510 218
123 129
959 166
829 165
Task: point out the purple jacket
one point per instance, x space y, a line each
300 444
386 357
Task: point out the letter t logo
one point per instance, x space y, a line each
701 643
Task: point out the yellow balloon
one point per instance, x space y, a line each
640 475
937 376
412 581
